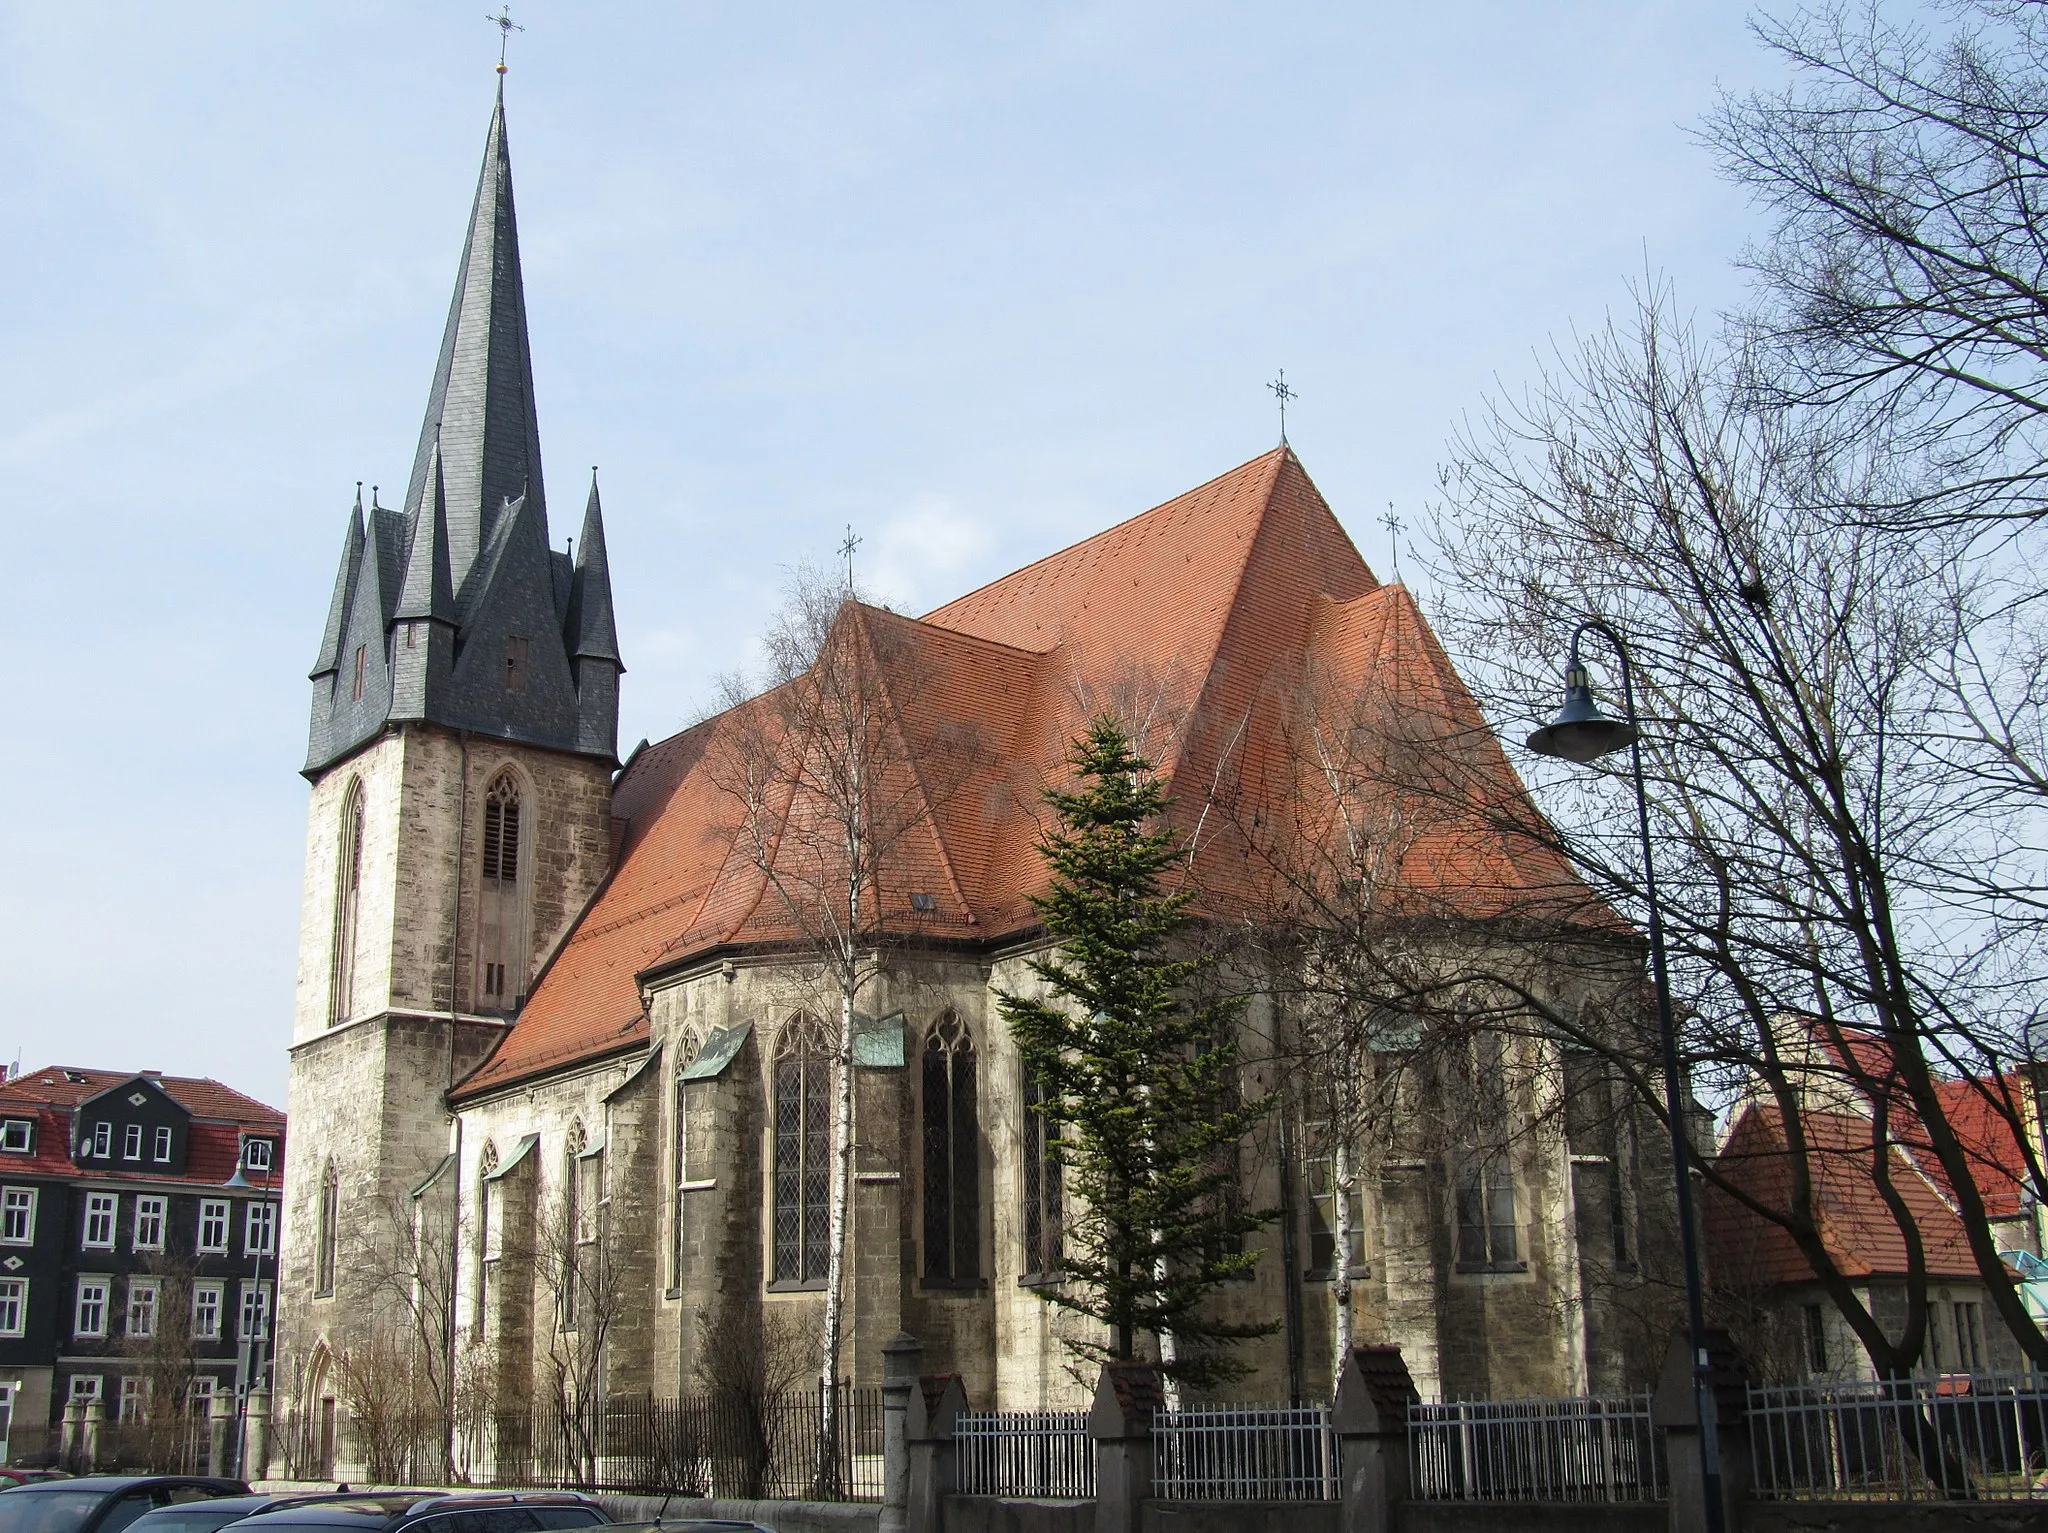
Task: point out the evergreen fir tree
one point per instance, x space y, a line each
1140 1077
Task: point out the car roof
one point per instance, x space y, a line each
353 1510
113 1482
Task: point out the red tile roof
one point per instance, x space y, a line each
1183 615
1854 1225
213 1146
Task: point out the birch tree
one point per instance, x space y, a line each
831 771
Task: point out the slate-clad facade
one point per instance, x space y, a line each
117 1233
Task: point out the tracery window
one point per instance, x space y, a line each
803 1152
952 1159
680 1150
328 1233
348 879
502 936
572 1224
486 1248
1488 1225
1044 1190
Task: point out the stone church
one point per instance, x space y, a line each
546 1000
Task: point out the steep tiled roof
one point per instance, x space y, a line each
1857 1229
213 1145
1183 616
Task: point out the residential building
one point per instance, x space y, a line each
127 1265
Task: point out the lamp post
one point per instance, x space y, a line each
1581 733
240 1183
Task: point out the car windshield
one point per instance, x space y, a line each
193 1516
48 1511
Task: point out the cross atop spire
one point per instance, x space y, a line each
1282 393
506 27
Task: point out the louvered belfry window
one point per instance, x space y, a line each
803 1152
502 938
1044 1193
952 1156
348 878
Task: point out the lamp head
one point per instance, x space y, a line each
239 1182
1580 732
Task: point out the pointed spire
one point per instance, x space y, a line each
590 630
428 591
344 586
480 409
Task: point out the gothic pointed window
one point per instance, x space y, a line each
681 1151
803 1151
486 1236
348 879
952 1159
1044 1192
572 1224
501 944
327 1233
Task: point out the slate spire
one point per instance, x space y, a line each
429 592
344 585
480 409
590 631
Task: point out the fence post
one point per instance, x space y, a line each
220 1425
901 1354
257 1466
1672 1408
1127 1396
70 1433
934 1456
1371 1421
89 1434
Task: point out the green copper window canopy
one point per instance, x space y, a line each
717 1053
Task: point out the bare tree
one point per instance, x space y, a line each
398 1376
832 769
576 1259
751 1364
1905 279
1820 854
162 1346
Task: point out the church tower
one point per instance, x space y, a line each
464 734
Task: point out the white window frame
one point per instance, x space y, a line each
152 1216
86 1386
17 1136
17 1216
145 1306
104 1210
201 1392
103 1141
262 1223
131 1141
162 1148
209 1298
13 1306
252 1296
214 1214
97 1292
134 1397
256 1155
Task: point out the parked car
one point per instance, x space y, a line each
103 1503
9 1476
409 1512
206 1516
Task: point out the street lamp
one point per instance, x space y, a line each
1581 733
240 1183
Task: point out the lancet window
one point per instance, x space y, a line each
952 1156
348 881
328 1233
1044 1191
803 1151
502 936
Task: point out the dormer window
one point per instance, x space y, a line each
515 664
103 1141
17 1136
256 1155
131 1142
163 1145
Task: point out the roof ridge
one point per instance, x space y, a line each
1274 455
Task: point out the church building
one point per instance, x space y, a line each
561 1058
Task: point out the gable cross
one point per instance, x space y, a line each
846 548
1395 527
1282 393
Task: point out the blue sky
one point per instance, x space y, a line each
977 279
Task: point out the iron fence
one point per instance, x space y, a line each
1584 1449
694 1445
1957 1436
1246 1453
1046 1454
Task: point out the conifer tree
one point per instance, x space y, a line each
1139 1078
